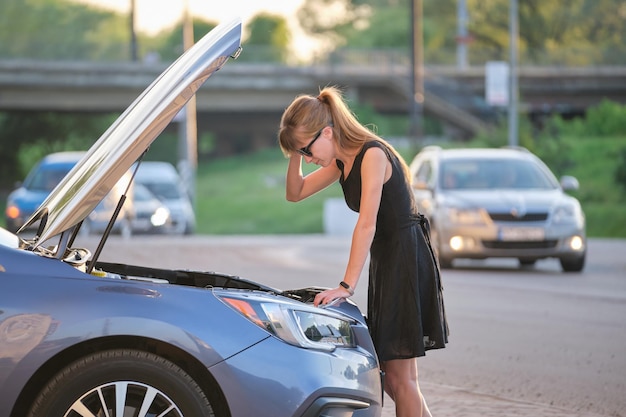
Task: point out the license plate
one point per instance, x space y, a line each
521 233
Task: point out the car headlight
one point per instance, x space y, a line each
12 212
464 216
304 326
566 213
160 216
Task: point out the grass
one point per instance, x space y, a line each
246 194
594 163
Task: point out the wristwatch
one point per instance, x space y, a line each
347 286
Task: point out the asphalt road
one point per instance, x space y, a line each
536 335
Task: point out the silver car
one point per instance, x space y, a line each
498 203
82 337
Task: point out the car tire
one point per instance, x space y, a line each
93 381
573 264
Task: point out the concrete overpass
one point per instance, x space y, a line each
246 100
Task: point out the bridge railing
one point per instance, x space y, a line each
372 57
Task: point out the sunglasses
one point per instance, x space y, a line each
306 151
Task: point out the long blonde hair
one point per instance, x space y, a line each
309 115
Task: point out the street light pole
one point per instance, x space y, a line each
462 36
133 32
417 71
188 133
513 88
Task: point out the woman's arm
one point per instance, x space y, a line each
299 187
375 170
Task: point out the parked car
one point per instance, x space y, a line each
498 203
44 177
79 336
150 215
162 179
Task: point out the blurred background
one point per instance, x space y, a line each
542 75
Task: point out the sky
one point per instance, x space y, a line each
154 15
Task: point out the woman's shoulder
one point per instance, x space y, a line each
376 144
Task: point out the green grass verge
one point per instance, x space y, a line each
246 195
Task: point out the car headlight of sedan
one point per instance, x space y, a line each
464 215
160 216
567 213
304 326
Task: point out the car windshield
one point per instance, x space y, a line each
141 193
164 190
46 178
485 174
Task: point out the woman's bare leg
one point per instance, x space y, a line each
402 386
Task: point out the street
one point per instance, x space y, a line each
534 335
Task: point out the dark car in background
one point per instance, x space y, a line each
498 203
83 337
44 177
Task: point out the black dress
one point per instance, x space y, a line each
405 310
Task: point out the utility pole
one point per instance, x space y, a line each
417 72
513 88
133 32
188 130
462 38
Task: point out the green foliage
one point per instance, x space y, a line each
606 119
47 29
549 33
246 195
27 136
383 125
168 44
620 170
269 37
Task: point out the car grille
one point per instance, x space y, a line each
528 217
542 244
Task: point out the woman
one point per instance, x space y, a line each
405 305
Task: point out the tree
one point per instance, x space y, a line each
56 29
25 137
583 32
168 44
267 40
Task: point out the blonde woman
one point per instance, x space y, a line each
405 308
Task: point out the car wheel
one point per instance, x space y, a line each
121 383
575 264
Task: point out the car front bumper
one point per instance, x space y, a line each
342 383
511 241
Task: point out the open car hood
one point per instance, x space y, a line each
132 133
